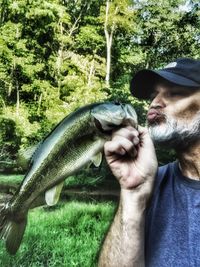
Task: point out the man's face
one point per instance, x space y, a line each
174 115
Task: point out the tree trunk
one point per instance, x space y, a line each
17 102
108 46
91 73
59 61
109 40
39 104
74 26
9 89
4 11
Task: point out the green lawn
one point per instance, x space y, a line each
67 235
11 178
79 180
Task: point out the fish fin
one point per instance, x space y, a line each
96 159
11 231
53 194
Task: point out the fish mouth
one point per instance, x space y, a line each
130 115
109 126
110 116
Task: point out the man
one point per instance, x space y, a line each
161 228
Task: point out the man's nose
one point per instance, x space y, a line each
158 101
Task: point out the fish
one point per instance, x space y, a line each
77 140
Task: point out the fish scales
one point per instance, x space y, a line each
65 145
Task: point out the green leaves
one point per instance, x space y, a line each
90 40
53 54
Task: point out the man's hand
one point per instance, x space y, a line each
131 157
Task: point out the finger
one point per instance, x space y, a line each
130 134
131 128
126 133
144 136
119 145
111 148
142 129
136 140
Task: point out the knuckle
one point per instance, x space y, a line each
124 133
108 145
128 145
121 131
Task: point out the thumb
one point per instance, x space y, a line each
145 139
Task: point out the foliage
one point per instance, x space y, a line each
53 57
169 29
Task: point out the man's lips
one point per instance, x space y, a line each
153 114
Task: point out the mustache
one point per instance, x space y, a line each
161 116
156 110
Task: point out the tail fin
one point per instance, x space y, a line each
11 230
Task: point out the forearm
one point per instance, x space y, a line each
124 243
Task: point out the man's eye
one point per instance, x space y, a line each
174 93
152 96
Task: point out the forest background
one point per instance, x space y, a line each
56 56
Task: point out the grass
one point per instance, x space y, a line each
11 178
67 235
71 181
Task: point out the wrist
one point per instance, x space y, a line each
142 189
136 195
133 205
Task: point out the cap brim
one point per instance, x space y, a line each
143 82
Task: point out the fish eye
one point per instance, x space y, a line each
98 124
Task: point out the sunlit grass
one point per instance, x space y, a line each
71 181
11 178
68 235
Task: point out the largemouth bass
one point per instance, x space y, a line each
78 139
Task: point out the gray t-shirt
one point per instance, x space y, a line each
173 220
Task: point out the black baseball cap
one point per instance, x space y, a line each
183 72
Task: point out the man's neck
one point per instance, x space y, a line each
189 161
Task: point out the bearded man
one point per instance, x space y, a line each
157 223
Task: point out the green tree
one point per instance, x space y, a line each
58 55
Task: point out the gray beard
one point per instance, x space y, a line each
174 133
